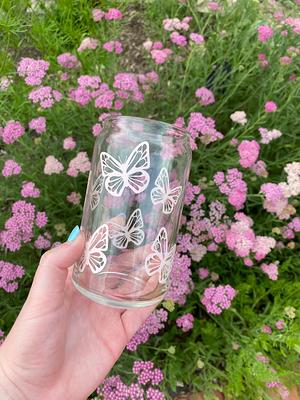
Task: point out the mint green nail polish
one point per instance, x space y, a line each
73 235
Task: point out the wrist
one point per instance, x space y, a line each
9 390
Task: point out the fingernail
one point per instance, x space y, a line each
73 235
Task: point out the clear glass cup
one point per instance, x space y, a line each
132 211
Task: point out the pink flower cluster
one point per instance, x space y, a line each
205 96
275 200
178 39
202 127
270 107
265 32
89 87
42 242
11 168
181 283
216 299
153 324
294 23
262 60
32 70
80 163
158 53
69 143
271 270
45 96
203 273
113 46
190 193
268 136
175 24
38 124
248 152
110 15
196 38
233 186
19 227
88 43
9 273
185 322
52 166
148 377
74 198
11 132
68 60
30 190
41 219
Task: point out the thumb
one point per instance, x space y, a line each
51 275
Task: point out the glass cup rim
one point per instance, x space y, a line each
182 133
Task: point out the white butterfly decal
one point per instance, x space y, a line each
161 260
96 190
131 173
162 193
93 254
131 232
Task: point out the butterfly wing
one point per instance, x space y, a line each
98 243
153 263
160 244
96 190
136 164
113 172
171 200
118 235
135 226
167 265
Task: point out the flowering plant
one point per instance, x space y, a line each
227 72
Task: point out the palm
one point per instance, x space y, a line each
69 343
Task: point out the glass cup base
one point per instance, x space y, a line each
115 302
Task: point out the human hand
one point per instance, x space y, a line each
62 345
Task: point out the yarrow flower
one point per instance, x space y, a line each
32 70
11 168
113 46
275 200
9 275
69 143
233 186
153 324
270 106
248 152
68 60
38 124
147 373
12 131
216 299
45 96
88 43
280 324
74 198
42 243
268 136
178 39
97 14
185 322
113 14
52 166
239 117
80 163
205 96
41 219
172 24
203 273
30 190
265 32
196 38
271 270
267 329
202 127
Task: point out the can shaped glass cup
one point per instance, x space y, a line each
132 211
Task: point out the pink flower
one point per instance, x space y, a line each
52 166
262 246
11 132
268 136
275 199
240 238
160 56
68 60
30 190
267 329
202 127
260 168
196 38
32 70
234 187
216 299
113 14
265 32
96 129
113 45
213 5
78 164
248 152
41 219
285 60
9 273
239 117
88 43
69 143
42 243
97 14
178 39
280 324
74 198
270 106
105 100
271 270
185 322
203 273
11 168
205 96
45 96
38 124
